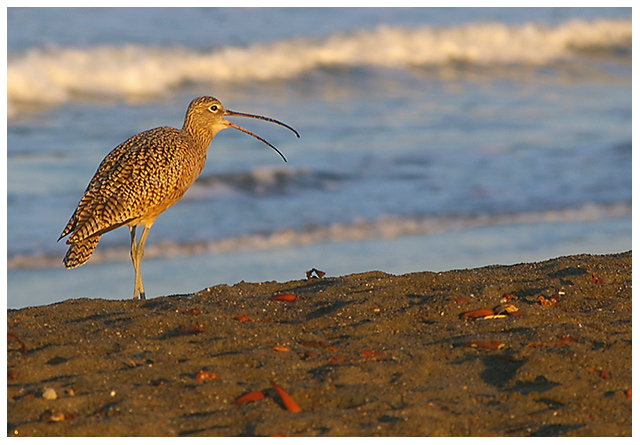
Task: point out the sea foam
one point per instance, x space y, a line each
59 74
384 227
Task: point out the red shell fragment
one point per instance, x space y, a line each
56 416
551 301
206 375
372 353
16 338
287 400
567 338
285 297
250 397
596 280
477 314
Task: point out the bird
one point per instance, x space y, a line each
144 176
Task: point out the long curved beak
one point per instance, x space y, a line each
264 118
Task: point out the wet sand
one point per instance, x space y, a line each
361 355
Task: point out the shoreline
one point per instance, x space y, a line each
362 355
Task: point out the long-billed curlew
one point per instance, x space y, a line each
143 177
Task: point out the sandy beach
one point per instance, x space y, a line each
540 349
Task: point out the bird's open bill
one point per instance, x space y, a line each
255 116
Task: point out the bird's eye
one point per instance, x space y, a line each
213 108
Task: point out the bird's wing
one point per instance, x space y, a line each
131 181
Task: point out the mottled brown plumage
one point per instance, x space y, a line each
144 176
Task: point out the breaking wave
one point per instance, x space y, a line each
385 227
57 75
266 180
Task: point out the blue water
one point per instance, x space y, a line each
431 139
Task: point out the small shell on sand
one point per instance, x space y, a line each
49 393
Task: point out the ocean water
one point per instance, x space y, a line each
431 139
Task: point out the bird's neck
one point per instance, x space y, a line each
202 135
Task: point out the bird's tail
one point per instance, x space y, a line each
79 252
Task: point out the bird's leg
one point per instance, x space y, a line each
137 251
134 248
139 254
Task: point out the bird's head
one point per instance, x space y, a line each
208 113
